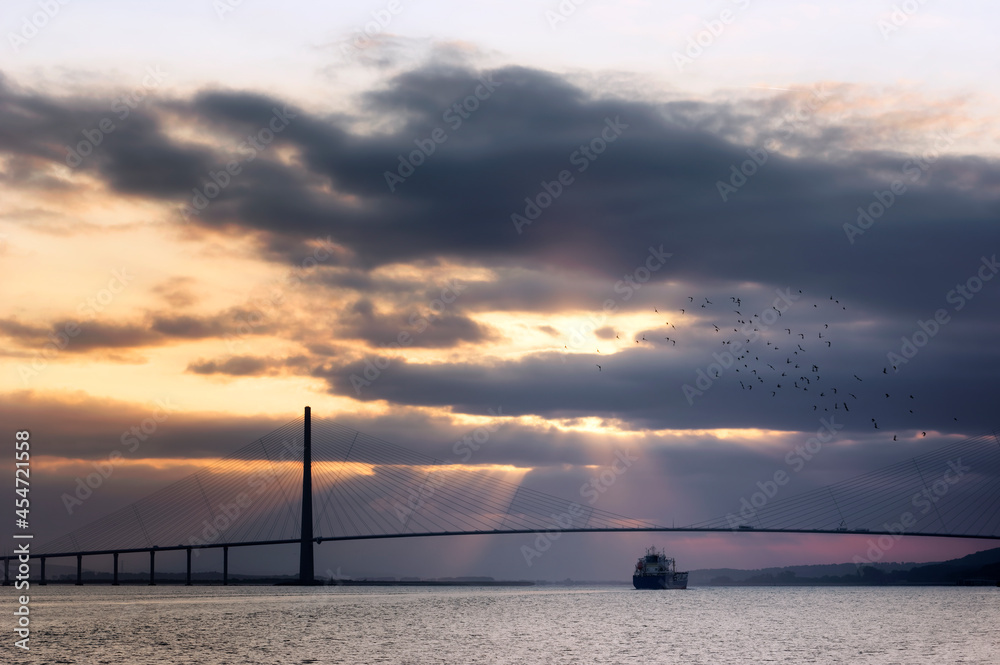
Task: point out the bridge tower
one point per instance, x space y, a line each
306 569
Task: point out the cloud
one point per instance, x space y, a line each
792 187
665 166
423 328
83 335
177 292
247 366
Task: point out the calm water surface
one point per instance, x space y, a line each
417 625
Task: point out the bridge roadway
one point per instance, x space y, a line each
291 541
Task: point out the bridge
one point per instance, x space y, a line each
367 488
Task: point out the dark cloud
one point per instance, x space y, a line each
247 365
92 428
643 385
188 327
86 334
656 184
424 327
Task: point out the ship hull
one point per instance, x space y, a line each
663 581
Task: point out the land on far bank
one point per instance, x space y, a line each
979 569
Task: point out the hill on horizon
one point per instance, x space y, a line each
982 565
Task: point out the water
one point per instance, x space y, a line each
465 625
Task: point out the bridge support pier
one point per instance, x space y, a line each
225 565
42 581
152 567
114 580
79 570
188 583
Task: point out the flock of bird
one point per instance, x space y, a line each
782 358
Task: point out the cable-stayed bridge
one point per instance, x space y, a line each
314 480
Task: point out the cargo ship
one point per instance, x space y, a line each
656 570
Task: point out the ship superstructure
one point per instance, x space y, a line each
656 570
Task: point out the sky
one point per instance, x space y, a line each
593 227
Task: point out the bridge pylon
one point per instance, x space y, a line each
306 565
